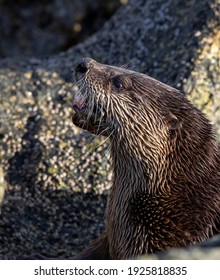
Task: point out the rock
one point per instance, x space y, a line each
2 187
209 250
40 28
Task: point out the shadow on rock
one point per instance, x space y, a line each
24 165
48 221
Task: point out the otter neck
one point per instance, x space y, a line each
142 164
137 165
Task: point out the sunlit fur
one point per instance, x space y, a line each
165 159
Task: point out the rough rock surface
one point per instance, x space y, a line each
56 177
209 250
45 27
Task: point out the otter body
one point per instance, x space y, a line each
165 159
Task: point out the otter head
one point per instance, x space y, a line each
112 101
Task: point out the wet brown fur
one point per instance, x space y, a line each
165 159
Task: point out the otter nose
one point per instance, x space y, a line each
82 67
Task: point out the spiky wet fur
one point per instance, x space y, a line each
165 159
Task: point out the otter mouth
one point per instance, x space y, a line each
86 119
79 104
81 116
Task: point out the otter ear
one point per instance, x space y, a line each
172 121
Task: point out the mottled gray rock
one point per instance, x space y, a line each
209 250
46 27
186 254
2 186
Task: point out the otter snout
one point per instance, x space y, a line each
79 100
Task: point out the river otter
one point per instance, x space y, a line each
165 159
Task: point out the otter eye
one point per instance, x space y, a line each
117 82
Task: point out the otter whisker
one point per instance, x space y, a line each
80 83
97 104
126 65
106 139
108 149
102 113
98 135
107 104
91 105
79 89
